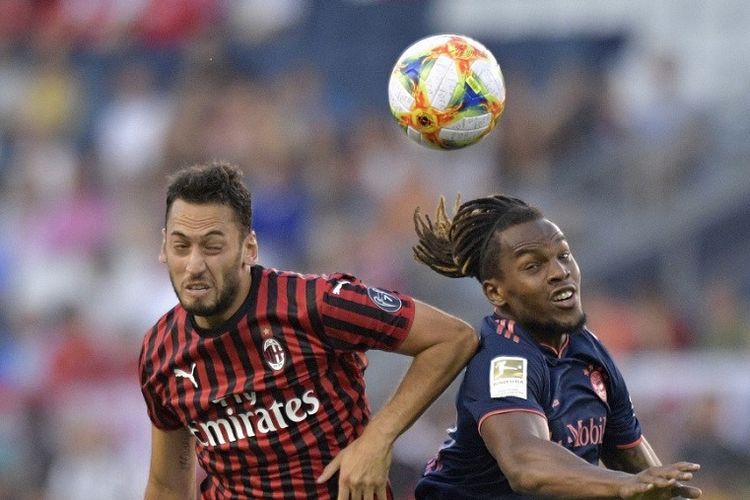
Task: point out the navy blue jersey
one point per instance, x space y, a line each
578 390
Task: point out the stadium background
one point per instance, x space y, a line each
627 122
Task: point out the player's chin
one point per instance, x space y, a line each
199 307
572 321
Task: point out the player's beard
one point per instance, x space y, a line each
223 301
552 329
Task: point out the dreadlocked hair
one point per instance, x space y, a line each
459 246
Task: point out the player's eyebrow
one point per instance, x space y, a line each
213 232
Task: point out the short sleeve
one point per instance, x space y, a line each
623 428
160 416
357 317
505 376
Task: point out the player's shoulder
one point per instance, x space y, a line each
333 277
585 339
501 331
504 337
585 343
164 325
157 337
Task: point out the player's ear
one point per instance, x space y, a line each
494 292
250 250
163 250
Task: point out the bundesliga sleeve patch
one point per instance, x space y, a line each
508 377
384 300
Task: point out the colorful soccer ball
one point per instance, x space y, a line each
446 91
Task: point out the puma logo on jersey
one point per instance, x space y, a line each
182 373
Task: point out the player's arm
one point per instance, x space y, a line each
632 459
172 471
534 465
441 345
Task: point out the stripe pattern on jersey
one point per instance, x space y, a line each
265 432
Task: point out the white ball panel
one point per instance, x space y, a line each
461 135
470 123
441 82
414 134
398 97
489 74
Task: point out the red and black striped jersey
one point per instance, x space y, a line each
277 391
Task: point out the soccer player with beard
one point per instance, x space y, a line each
260 373
542 402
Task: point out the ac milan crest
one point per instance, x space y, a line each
274 354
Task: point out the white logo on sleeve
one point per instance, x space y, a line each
508 377
387 301
189 376
337 288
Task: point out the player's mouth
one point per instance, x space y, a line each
565 297
197 290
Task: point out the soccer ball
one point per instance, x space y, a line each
446 91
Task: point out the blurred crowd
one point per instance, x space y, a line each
101 100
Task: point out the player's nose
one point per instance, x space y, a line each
195 264
559 270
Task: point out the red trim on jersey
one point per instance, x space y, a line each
630 445
558 352
509 410
507 329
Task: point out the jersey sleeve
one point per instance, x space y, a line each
505 376
161 416
623 428
358 317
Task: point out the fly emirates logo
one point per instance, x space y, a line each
258 420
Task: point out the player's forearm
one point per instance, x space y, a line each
633 459
547 469
173 464
158 491
429 374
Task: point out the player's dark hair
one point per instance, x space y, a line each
460 246
214 182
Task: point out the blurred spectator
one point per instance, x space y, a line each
657 324
173 22
66 230
611 318
724 465
667 134
132 126
725 319
98 453
102 99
